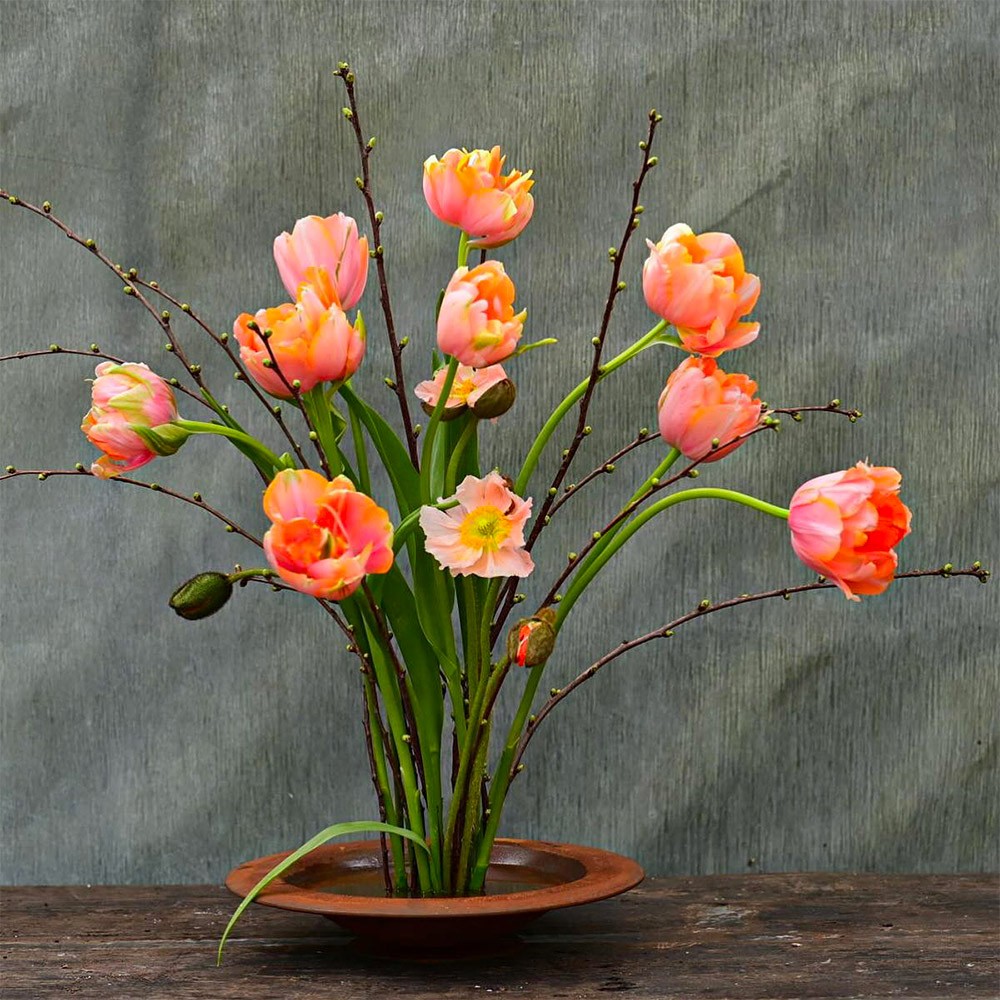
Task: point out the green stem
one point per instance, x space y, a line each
244 573
655 335
251 443
501 780
451 473
463 249
382 780
596 560
431 432
315 404
470 821
360 453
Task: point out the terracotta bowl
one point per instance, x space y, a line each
526 878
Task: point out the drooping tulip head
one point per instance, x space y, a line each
484 534
699 284
131 419
325 537
845 526
327 254
467 190
310 342
476 322
701 404
488 392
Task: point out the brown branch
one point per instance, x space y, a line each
131 287
95 352
666 631
606 467
222 340
195 500
378 253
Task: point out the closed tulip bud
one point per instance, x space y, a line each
699 284
132 419
201 596
532 640
476 322
703 406
327 254
845 526
466 190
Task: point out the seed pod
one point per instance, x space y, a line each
201 596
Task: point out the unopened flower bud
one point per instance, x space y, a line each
532 640
496 400
201 596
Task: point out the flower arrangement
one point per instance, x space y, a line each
423 595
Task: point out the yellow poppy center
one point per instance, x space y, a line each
462 389
485 528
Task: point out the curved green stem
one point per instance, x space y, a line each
251 443
463 249
596 561
656 335
243 574
432 429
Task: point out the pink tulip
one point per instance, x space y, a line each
467 390
467 190
131 419
844 526
325 536
701 403
328 255
476 322
698 283
484 534
311 342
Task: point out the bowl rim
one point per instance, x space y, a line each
605 874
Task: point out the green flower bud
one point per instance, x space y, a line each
201 596
496 401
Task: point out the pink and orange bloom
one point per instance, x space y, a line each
325 536
467 190
845 525
699 284
476 322
311 343
327 254
477 389
484 534
702 403
132 418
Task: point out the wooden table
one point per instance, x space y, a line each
756 936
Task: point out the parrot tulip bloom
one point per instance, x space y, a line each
483 535
325 536
699 284
132 418
311 342
476 322
844 526
327 254
701 403
467 389
466 190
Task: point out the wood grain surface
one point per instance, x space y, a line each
738 937
851 148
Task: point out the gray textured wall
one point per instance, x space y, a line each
851 148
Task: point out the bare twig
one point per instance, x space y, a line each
378 252
666 631
195 500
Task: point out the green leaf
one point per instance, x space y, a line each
337 830
405 479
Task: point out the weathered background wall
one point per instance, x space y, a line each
852 148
